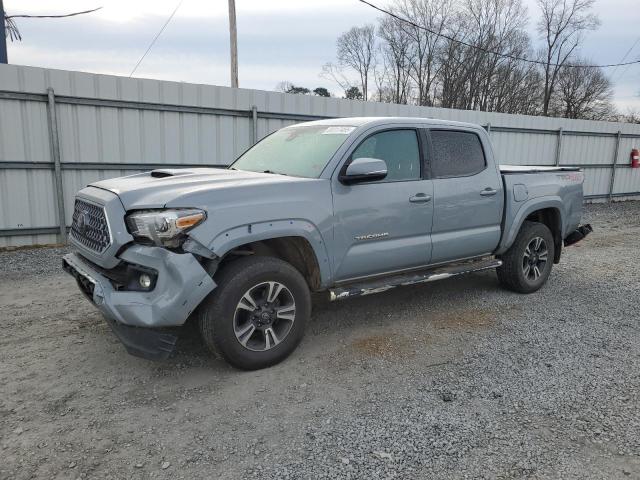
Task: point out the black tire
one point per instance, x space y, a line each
513 273
218 316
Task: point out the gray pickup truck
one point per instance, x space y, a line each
350 206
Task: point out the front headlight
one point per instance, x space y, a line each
164 228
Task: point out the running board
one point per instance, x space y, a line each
387 283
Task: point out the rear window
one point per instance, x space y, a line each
456 154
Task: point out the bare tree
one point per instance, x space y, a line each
428 16
632 115
333 72
475 55
396 57
583 92
562 27
356 50
475 71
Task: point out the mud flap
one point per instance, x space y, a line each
578 234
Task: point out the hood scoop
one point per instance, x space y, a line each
168 172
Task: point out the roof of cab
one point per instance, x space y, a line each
375 121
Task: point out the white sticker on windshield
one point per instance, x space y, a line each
338 130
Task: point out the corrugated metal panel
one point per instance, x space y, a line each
524 148
596 181
583 149
113 134
627 180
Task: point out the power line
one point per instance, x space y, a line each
53 16
625 56
156 38
486 50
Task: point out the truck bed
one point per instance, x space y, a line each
539 187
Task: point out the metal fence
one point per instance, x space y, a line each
61 130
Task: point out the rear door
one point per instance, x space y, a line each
384 226
468 196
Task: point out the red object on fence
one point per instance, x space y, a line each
635 158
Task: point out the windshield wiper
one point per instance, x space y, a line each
274 173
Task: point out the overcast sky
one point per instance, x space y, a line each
277 39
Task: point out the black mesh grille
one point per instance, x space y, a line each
89 226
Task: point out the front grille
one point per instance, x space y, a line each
89 226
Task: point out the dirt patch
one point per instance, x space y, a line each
389 345
611 240
468 317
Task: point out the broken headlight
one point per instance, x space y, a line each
164 228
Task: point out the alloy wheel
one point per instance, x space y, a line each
264 316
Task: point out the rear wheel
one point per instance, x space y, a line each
526 266
257 315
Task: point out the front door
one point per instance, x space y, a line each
384 226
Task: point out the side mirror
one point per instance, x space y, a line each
364 170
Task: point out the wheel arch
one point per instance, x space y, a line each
552 218
295 241
548 211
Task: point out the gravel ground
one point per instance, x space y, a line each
454 379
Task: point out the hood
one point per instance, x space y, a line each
174 187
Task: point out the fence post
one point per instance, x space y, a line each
559 146
54 144
489 128
254 125
613 166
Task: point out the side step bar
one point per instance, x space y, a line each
387 283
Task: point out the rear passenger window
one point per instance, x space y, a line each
456 154
398 148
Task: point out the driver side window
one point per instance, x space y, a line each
398 148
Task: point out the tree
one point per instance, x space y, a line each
562 27
288 87
477 55
426 16
353 93
356 50
396 51
298 90
321 92
631 116
583 92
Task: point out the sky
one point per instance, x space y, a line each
278 40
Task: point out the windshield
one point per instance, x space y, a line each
299 151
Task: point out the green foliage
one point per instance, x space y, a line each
353 93
321 92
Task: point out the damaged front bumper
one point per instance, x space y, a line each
181 284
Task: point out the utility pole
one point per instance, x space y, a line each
233 36
3 36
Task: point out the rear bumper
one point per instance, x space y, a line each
181 285
578 234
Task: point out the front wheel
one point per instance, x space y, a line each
527 264
257 315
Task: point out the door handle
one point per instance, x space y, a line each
420 198
488 192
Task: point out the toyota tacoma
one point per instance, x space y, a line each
349 206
